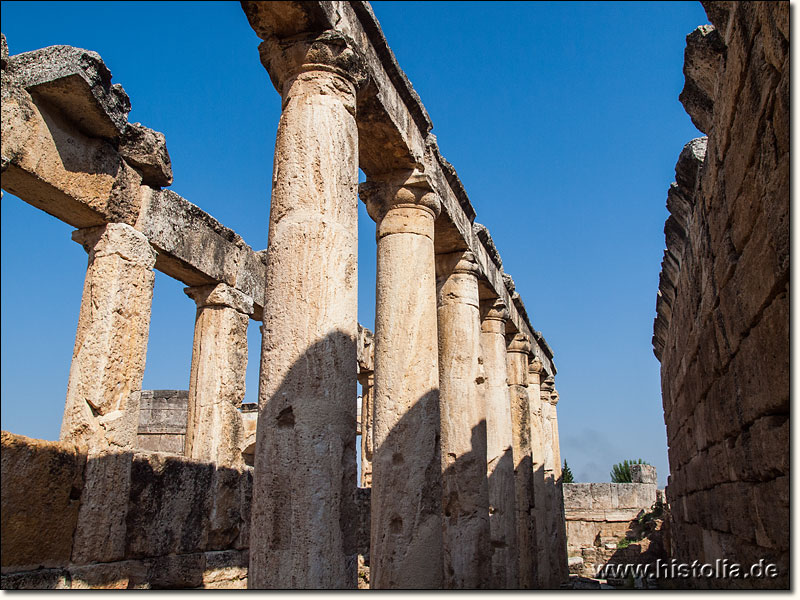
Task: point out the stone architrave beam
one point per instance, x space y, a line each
68 150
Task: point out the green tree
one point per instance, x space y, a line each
621 472
566 473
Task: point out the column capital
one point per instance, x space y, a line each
535 366
548 385
457 263
117 238
220 294
554 397
519 343
330 51
401 189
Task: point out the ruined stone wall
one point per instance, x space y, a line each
127 520
722 330
162 420
598 515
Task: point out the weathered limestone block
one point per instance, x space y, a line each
111 342
305 463
54 165
723 342
120 575
465 492
406 540
482 233
79 84
177 228
169 504
42 579
146 151
3 51
162 420
217 381
702 57
101 530
499 448
643 474
528 528
41 489
225 570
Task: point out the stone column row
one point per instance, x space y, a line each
108 362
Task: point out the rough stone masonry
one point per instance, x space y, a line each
722 329
180 489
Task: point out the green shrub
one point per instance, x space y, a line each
566 473
621 472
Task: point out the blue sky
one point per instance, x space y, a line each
562 120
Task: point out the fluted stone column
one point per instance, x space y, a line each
560 554
367 381
518 349
105 379
303 509
499 448
217 382
465 490
541 504
406 522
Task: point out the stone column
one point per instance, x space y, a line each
304 482
560 554
499 448
465 490
217 382
105 379
518 349
406 530
540 490
367 381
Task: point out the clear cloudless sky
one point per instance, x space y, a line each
562 119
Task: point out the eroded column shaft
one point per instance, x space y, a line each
499 450
559 560
105 378
541 502
303 509
217 381
406 521
517 364
465 492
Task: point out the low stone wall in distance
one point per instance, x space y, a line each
598 515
